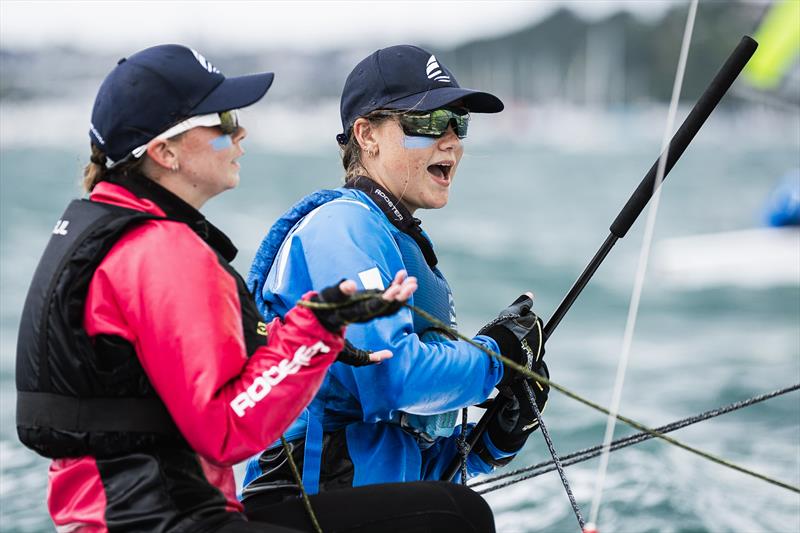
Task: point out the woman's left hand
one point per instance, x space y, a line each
401 289
347 305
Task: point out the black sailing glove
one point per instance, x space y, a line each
350 355
515 419
519 334
361 306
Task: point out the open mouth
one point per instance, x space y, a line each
441 170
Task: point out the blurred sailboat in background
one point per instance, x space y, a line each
756 258
768 256
779 38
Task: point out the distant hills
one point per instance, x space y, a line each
618 60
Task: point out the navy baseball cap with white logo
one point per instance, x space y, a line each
405 77
155 88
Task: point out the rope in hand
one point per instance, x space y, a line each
554 455
590 453
545 433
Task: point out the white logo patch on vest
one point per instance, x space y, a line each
434 71
205 62
371 279
263 384
61 227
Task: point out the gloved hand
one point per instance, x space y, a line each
515 419
519 334
519 391
361 306
350 355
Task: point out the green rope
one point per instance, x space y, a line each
299 479
597 407
541 379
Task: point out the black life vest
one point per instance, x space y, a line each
419 258
76 397
79 396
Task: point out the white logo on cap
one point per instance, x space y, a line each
434 71
205 62
97 134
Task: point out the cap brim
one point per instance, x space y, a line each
474 101
235 93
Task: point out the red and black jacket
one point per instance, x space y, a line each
143 367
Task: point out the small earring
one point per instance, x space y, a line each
175 167
372 152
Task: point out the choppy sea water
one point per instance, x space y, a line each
527 213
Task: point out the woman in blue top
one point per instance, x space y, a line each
403 117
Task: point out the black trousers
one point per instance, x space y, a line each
418 507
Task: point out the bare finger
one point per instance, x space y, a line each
402 291
400 276
407 289
380 355
348 286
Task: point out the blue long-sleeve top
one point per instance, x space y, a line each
350 237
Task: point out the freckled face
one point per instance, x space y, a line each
208 159
419 176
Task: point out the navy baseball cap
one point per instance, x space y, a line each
405 77
153 89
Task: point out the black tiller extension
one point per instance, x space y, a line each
630 212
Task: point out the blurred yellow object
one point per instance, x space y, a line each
779 44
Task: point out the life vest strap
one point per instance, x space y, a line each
68 413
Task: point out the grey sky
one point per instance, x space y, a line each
122 25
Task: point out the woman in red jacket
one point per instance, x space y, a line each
143 368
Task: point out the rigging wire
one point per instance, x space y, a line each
554 455
590 453
577 397
646 433
644 254
567 392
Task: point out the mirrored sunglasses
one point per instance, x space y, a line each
435 123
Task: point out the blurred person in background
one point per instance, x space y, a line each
404 118
143 367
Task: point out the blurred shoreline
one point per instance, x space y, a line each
617 60
285 128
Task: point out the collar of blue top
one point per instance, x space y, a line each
397 214
176 209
